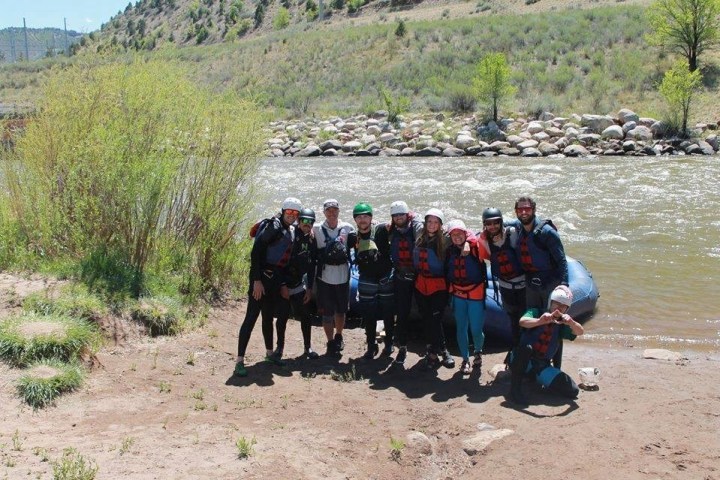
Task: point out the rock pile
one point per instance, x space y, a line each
623 134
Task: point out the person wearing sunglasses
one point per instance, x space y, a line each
507 271
301 275
542 256
268 294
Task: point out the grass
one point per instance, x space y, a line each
348 376
163 316
126 445
245 447
74 301
396 448
45 381
74 466
26 339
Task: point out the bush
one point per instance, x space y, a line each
45 381
30 338
75 302
282 18
462 99
161 316
73 466
184 157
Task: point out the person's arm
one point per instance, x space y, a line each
568 321
557 252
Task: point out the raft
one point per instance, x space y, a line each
497 323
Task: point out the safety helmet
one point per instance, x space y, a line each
491 213
307 213
291 203
362 208
562 294
435 212
399 207
456 225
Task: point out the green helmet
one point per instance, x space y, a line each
362 208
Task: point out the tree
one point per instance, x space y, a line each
401 29
492 83
686 26
282 18
677 88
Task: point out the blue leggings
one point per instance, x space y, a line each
469 314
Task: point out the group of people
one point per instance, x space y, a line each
433 261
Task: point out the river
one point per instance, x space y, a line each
647 228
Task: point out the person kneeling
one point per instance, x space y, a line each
540 338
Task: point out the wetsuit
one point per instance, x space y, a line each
375 283
431 292
269 259
300 278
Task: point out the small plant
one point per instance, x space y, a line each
74 301
245 447
165 387
198 395
161 315
401 29
155 355
396 448
17 441
46 380
190 360
349 376
42 453
395 106
127 444
29 338
74 466
199 406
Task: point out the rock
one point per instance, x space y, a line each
371 122
475 149
351 146
693 149
367 139
531 152
548 148
629 146
309 151
706 148
379 114
276 152
514 140
554 132
334 144
562 142
388 138
571 132
419 442
330 152
374 130
575 151
487 153
662 354
416 123
596 123
453 152
546 116
479 441
626 115
628 126
588 138
527 144
490 133
389 152
443 145
332 129
535 127
613 132
499 372
646 121
498 145
713 141
541 136
364 153
640 133
510 151
408 152
659 129
428 152
464 142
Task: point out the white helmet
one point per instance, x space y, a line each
436 212
399 207
456 225
291 203
562 294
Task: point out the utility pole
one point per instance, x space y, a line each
27 51
67 51
12 44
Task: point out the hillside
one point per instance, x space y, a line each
41 43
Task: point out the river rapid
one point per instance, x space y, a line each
647 228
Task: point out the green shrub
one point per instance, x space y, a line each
161 316
30 338
44 381
282 18
73 466
74 301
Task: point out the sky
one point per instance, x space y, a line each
83 16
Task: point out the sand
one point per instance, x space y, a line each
168 408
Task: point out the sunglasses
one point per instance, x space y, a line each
491 222
292 212
307 221
524 209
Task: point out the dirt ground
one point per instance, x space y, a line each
168 408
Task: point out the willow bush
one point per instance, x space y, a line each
130 167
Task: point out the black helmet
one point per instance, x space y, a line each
307 213
491 214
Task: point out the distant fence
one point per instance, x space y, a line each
22 43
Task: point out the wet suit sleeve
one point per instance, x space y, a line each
259 249
314 252
557 252
352 241
566 333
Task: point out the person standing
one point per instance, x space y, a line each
333 274
505 265
268 293
542 257
301 276
431 286
402 232
467 282
543 330
375 288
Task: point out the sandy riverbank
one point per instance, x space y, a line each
650 419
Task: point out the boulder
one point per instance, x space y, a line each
646 121
628 126
487 153
309 151
364 153
464 142
641 133
575 151
548 148
379 114
554 132
498 145
509 151
531 152
372 122
713 141
546 116
571 132
659 129
527 144
541 136
367 139
613 132
330 152
479 441
596 123
331 129
662 354
408 152
514 140
562 142
535 127
334 144
706 148
351 146
388 138
374 130
693 149
428 152
626 115
475 149
389 152
588 138
453 152
419 442
276 152
629 146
